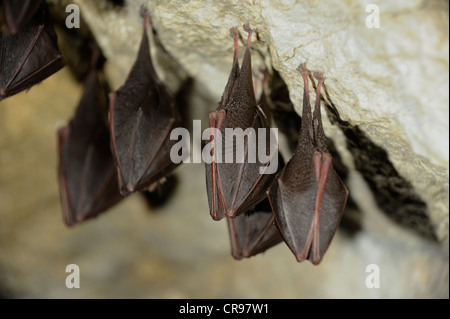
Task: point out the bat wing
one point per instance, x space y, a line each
30 56
18 13
142 115
237 186
308 208
253 232
87 174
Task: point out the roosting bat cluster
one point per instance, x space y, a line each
306 197
103 159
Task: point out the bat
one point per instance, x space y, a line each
161 192
87 172
30 56
17 13
235 187
308 197
254 231
142 114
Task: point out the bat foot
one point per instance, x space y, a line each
302 69
234 32
247 28
319 76
250 32
143 10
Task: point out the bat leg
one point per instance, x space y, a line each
304 72
234 34
250 32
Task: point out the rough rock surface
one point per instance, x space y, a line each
388 85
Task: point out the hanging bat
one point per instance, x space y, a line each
237 186
254 231
308 197
142 114
17 14
87 173
30 56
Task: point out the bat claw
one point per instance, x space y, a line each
247 28
319 76
143 11
302 69
234 32
145 14
250 32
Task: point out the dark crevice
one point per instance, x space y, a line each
394 194
283 113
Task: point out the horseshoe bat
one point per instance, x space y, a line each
254 231
308 197
87 173
142 114
30 56
237 186
17 13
